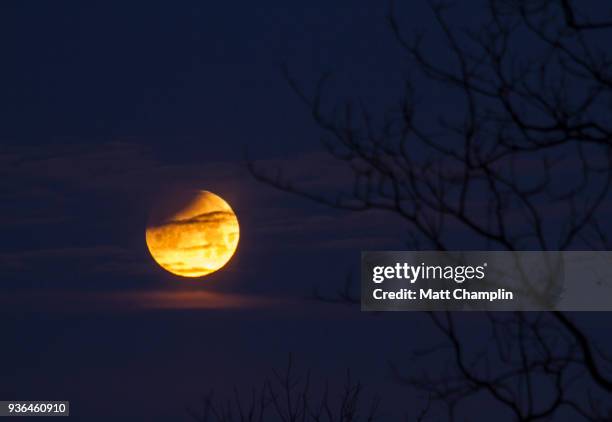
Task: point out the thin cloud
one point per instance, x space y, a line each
100 259
128 301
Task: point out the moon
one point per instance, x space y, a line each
192 233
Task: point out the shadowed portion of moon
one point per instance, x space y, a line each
192 233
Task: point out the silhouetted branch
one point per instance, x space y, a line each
287 397
524 163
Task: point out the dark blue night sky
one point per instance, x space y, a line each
104 105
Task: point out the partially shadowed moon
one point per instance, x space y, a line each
193 233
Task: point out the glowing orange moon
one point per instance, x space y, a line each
194 236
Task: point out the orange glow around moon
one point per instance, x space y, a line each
194 238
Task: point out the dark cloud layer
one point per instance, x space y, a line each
75 301
81 210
